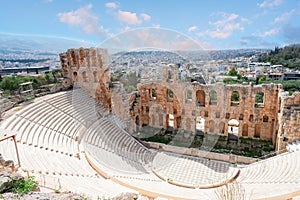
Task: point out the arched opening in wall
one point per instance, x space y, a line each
169 75
95 76
75 76
259 100
257 131
265 118
200 98
170 95
189 96
170 122
213 97
156 113
188 123
153 93
153 121
211 126
245 130
137 123
233 129
178 121
200 124
84 76
222 127
161 120
235 98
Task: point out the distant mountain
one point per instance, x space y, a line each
42 43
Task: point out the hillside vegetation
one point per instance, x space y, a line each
288 56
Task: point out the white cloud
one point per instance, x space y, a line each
284 17
128 17
270 32
125 29
156 25
145 17
82 18
192 28
112 5
270 3
224 27
49 1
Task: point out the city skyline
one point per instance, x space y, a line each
213 24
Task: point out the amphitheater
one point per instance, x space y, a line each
70 140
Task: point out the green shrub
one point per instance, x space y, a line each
21 186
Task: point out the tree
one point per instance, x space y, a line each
262 79
232 72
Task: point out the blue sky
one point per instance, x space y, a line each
215 24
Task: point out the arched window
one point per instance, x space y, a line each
211 126
84 76
257 131
259 100
153 93
235 98
200 124
75 76
170 94
200 96
189 95
245 130
222 127
95 76
233 129
213 98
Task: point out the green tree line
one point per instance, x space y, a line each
288 56
11 83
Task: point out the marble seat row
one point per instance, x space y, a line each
279 169
108 136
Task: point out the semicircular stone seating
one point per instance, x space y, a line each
58 132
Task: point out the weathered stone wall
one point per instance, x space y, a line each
167 101
289 120
88 69
255 120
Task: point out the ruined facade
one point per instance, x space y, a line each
289 120
235 111
88 69
229 110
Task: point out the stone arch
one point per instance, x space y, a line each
188 123
75 76
245 130
235 98
155 113
259 99
222 127
233 129
211 126
200 125
189 95
265 118
84 76
213 97
153 93
257 130
95 76
200 98
137 123
170 122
